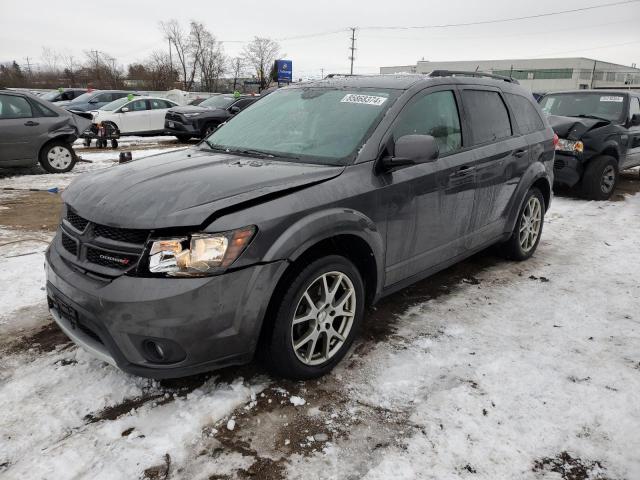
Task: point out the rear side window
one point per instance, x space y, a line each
488 115
527 116
634 108
435 114
12 106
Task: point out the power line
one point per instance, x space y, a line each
500 20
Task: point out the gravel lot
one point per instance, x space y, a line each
488 370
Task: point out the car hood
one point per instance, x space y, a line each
573 128
185 188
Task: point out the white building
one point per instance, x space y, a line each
541 74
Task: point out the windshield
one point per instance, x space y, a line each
85 97
314 125
50 95
114 105
217 101
603 105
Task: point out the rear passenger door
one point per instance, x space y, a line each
158 111
501 158
429 204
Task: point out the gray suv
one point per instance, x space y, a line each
273 234
33 130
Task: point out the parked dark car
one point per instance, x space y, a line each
63 95
599 134
33 130
200 120
277 230
95 99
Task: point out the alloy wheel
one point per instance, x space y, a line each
59 157
608 179
323 318
530 224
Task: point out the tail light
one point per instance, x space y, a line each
555 140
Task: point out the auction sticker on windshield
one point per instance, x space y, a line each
611 99
363 99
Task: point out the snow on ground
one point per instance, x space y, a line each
36 178
130 141
526 370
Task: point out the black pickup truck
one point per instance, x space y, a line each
201 120
599 135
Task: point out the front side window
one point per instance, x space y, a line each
435 114
488 115
525 113
634 108
12 106
138 105
313 125
605 105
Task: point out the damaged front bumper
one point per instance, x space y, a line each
200 324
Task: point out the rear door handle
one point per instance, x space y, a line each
520 153
31 123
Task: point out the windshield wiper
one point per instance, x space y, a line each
584 115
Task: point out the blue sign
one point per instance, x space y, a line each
284 68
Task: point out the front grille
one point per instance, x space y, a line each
69 244
105 258
76 220
121 234
174 117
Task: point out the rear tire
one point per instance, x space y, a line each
600 178
528 228
57 157
326 300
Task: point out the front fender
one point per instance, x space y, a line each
535 172
323 225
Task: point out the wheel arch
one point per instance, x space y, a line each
535 176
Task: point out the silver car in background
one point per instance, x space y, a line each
33 130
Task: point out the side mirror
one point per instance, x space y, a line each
124 109
635 119
413 149
234 109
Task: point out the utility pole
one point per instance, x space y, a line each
593 73
28 65
321 72
353 47
170 59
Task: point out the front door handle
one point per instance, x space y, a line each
31 123
520 153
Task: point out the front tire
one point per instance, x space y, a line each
528 229
316 320
600 178
57 157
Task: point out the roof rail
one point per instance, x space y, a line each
453 73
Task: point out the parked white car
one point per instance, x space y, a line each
135 116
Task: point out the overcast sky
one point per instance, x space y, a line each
129 30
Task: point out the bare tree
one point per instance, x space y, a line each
260 54
211 58
238 67
186 50
160 72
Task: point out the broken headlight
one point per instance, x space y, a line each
572 146
198 254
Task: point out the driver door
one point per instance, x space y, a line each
136 119
429 204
